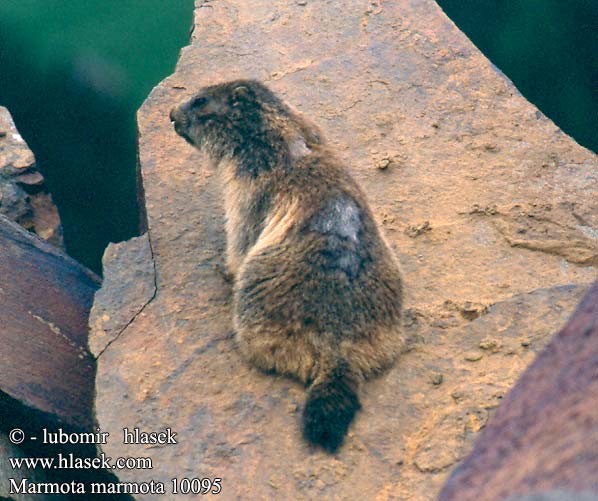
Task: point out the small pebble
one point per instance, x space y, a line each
383 164
414 230
490 345
458 395
473 356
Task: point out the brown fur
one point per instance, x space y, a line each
318 293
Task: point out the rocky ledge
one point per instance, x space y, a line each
544 436
491 209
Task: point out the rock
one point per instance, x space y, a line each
47 373
468 309
493 345
383 163
377 77
129 284
473 356
416 230
23 194
556 495
552 228
433 453
45 298
544 436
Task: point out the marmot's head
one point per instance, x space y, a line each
243 120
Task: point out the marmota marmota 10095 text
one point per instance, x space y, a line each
317 291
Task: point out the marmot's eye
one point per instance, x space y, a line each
198 102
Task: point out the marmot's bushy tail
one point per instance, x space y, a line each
331 406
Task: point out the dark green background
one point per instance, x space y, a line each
73 73
548 48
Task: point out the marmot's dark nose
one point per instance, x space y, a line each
179 116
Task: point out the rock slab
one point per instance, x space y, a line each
544 436
492 212
45 298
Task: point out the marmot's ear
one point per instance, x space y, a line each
240 92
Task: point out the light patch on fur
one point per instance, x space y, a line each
341 217
298 148
278 224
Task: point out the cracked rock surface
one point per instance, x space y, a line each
544 436
490 208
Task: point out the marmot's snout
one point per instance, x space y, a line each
179 117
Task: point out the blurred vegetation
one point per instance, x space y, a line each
73 73
548 48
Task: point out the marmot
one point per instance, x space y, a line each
317 291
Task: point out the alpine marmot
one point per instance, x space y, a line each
317 291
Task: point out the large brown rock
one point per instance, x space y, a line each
24 197
45 298
46 370
544 436
491 210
